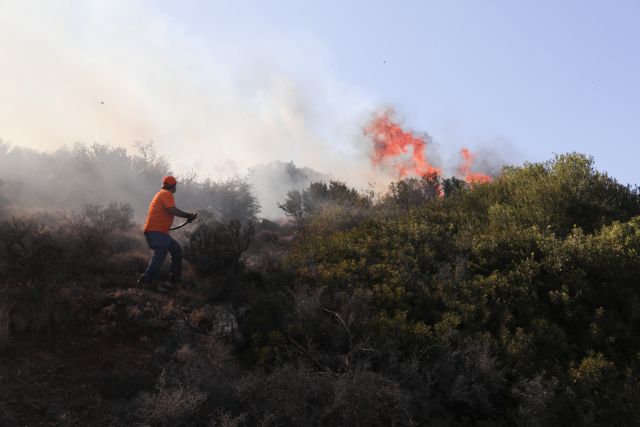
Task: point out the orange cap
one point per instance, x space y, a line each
169 180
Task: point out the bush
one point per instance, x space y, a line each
216 247
294 395
511 302
93 238
28 252
228 200
169 404
301 206
413 192
50 248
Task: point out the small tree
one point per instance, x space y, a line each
300 206
413 192
232 199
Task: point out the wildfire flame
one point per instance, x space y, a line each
391 144
465 169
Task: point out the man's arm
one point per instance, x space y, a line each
177 212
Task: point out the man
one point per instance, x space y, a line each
156 230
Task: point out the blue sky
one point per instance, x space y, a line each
244 82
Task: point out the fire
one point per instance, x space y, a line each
391 142
465 169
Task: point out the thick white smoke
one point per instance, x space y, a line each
117 72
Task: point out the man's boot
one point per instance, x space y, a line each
170 285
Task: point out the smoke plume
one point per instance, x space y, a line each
272 181
117 72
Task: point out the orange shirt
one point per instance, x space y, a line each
159 218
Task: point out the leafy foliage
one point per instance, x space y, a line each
538 269
301 206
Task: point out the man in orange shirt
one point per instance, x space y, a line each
156 230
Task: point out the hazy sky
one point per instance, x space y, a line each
222 85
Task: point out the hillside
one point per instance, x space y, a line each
440 302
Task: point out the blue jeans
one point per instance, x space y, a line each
161 244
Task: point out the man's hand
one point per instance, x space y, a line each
182 214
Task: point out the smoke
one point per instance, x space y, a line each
118 72
67 179
272 181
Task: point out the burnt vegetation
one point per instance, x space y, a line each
509 303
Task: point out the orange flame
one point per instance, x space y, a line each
391 144
391 141
465 169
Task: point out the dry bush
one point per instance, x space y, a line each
336 329
33 310
28 252
196 384
288 396
216 247
215 320
202 317
206 364
295 395
99 240
169 404
453 383
53 248
367 398
135 313
232 199
205 353
108 219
